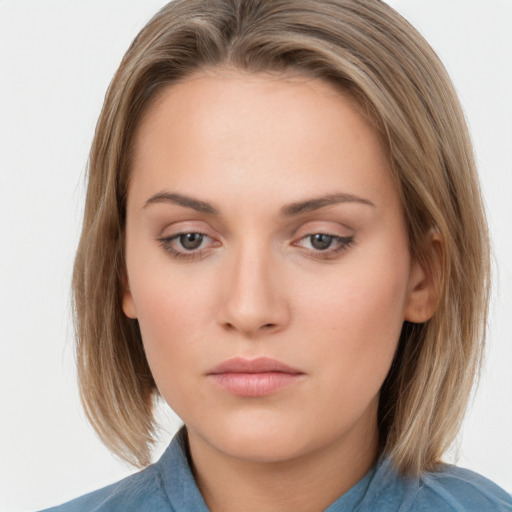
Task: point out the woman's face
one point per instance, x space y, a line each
263 222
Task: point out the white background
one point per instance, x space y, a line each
56 60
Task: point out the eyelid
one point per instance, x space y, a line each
332 227
183 226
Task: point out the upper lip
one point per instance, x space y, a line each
258 365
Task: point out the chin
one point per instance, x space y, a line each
257 440
261 448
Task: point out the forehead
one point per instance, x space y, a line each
254 105
216 84
224 128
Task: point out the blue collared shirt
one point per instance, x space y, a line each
169 486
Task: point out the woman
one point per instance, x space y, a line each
284 238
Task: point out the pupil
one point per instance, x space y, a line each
191 241
321 242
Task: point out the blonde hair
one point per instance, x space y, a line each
368 50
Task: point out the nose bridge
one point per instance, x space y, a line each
252 298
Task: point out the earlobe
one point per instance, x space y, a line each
128 303
425 282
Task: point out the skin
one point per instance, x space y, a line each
249 145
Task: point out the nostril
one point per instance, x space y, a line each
266 327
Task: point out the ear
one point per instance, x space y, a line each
425 281
128 302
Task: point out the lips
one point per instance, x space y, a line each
254 377
259 365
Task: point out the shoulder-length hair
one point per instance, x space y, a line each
370 52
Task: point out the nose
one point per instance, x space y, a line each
253 298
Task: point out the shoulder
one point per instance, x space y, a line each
166 486
449 489
141 492
457 489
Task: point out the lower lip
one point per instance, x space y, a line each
254 384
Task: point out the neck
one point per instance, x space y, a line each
309 482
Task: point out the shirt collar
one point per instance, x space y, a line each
177 479
180 487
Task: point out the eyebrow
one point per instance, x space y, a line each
309 205
290 210
182 200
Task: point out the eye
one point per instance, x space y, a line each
325 244
191 241
321 241
186 245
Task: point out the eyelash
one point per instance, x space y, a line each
344 242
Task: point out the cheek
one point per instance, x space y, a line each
174 318
356 326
